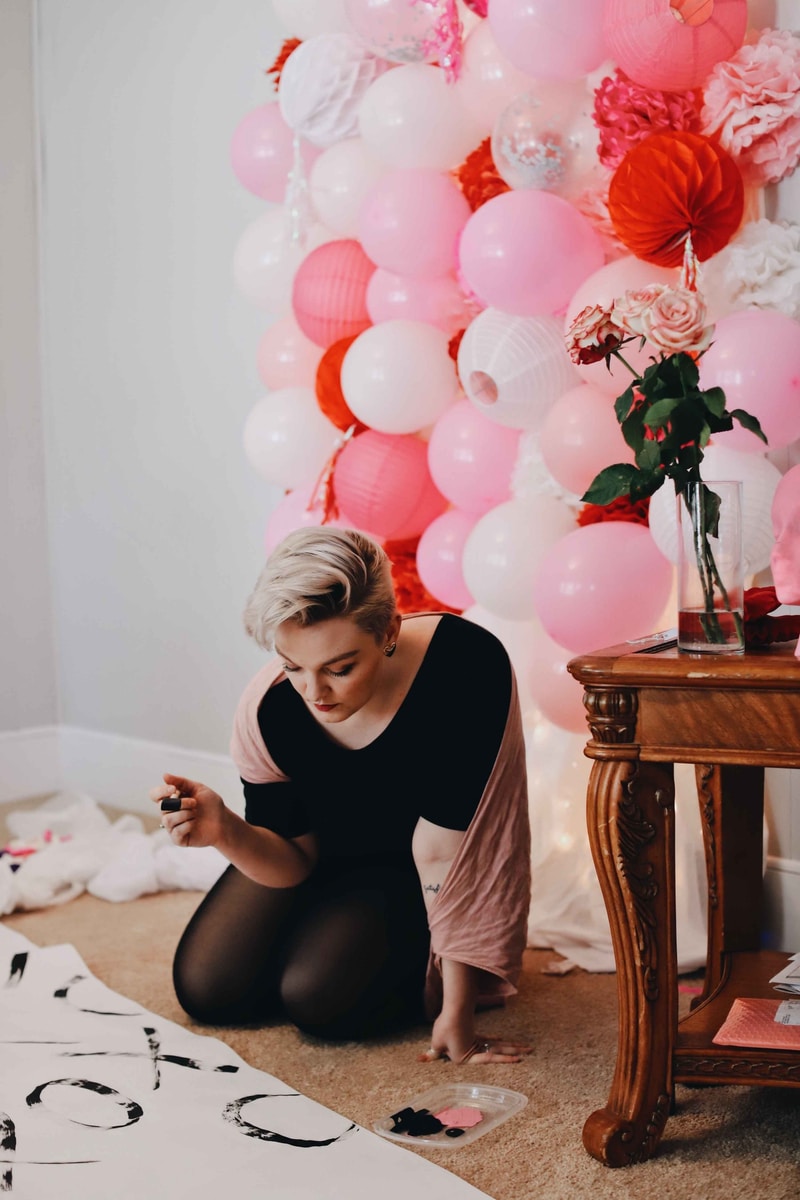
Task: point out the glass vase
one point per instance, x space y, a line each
710 568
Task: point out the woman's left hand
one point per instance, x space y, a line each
453 1042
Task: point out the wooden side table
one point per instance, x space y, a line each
648 707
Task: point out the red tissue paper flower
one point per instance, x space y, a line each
672 186
760 629
288 47
478 176
626 113
621 509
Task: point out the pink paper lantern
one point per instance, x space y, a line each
329 294
439 558
382 484
673 44
262 152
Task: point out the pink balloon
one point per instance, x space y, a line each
382 484
786 500
262 152
329 292
600 585
526 252
286 357
659 45
440 301
439 556
471 458
550 39
603 287
294 511
580 436
557 695
410 221
755 359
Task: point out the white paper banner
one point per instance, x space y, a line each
99 1098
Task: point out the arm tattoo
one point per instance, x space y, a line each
431 887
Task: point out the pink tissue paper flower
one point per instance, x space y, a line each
626 113
752 105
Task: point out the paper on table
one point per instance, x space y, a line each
788 980
753 1023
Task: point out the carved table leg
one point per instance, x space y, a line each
630 815
732 812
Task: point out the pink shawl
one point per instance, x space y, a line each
480 915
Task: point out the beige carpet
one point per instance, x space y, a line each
722 1144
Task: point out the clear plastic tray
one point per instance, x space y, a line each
497 1105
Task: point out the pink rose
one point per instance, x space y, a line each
629 310
752 106
676 321
592 335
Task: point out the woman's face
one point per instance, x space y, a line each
334 665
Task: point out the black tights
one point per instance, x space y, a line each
341 956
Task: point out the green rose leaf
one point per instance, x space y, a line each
748 422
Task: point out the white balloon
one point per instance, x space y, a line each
323 83
266 259
307 18
286 438
514 368
504 549
488 81
412 117
759 478
398 376
338 182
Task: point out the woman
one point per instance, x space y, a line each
381 872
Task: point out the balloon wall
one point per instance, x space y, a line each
446 184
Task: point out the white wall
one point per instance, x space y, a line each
27 667
155 518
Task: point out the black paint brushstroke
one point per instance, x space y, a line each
18 964
154 1047
133 1110
233 1114
62 994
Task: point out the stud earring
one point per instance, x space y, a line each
390 649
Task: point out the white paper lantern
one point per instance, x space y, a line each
759 478
322 85
513 368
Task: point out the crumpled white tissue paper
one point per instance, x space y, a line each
75 847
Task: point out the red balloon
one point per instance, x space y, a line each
672 185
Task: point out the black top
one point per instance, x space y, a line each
433 759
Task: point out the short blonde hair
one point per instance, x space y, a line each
317 573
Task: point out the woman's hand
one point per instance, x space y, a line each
200 819
455 1040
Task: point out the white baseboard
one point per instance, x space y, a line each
114 770
782 904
